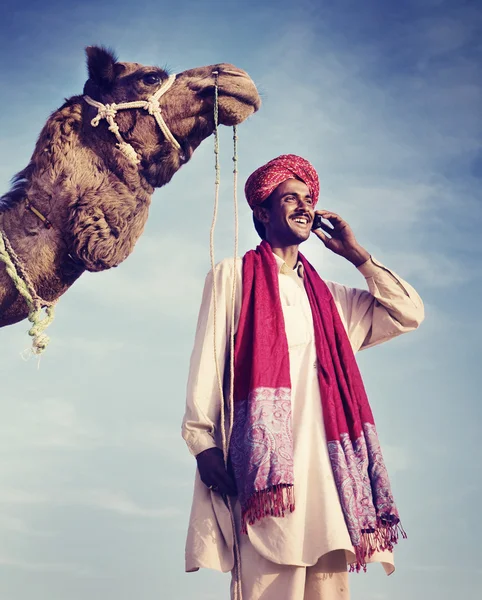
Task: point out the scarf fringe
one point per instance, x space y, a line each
384 537
271 502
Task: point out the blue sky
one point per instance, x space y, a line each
384 99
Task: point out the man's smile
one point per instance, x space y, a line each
303 220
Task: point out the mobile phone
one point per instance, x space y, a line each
317 221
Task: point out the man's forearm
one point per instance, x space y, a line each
358 256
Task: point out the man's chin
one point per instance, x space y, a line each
297 235
301 236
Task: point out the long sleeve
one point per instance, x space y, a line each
389 308
203 399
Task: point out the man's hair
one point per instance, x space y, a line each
258 225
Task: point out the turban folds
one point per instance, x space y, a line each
267 178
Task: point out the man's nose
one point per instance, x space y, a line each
304 204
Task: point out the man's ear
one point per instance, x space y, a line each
262 214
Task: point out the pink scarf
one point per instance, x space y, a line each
262 443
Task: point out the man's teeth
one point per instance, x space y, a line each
302 221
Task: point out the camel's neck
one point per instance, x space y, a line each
43 254
96 203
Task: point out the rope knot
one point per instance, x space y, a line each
104 112
129 152
114 128
152 105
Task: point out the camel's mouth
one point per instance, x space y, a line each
234 111
246 93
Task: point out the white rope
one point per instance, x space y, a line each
235 274
226 437
151 105
211 253
18 274
238 592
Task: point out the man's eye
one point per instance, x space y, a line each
290 198
151 79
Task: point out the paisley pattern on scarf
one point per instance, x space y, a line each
261 448
363 485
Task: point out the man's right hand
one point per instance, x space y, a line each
213 472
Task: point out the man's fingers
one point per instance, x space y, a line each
214 475
224 487
331 216
327 228
225 483
328 213
323 237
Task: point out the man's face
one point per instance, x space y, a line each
289 220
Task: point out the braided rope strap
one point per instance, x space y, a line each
25 288
226 436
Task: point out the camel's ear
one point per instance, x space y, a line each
101 64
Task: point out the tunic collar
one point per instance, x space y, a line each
297 274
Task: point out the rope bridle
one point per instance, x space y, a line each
151 105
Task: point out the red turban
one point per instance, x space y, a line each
267 178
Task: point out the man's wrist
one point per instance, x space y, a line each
358 256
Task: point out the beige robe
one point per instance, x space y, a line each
390 307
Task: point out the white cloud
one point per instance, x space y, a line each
97 499
163 278
94 348
432 269
18 526
397 458
45 422
120 504
40 567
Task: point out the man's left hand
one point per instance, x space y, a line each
341 239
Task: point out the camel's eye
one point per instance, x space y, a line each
151 79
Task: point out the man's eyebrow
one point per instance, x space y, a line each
297 194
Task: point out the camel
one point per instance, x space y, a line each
83 200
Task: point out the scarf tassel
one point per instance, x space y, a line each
384 537
271 502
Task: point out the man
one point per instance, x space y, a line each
306 475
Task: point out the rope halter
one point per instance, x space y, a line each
151 105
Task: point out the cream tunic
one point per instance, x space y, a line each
390 307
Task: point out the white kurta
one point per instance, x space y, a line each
316 527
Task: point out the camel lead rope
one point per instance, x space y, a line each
237 558
211 240
238 592
25 288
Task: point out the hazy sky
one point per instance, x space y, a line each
384 98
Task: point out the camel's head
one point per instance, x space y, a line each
187 108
